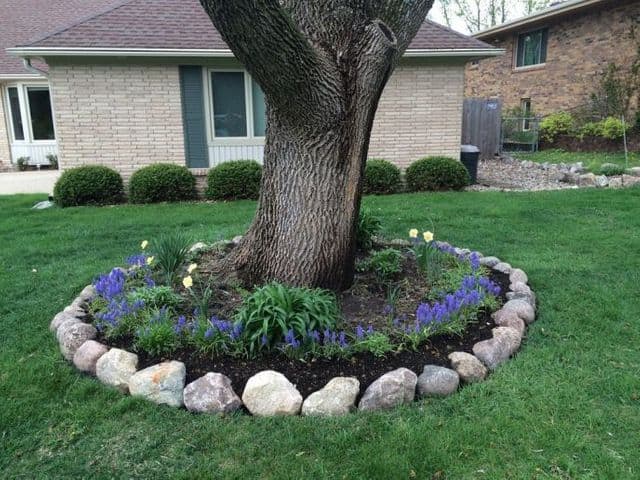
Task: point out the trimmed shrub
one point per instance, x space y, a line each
162 182
613 128
381 177
89 185
559 123
239 179
610 170
436 173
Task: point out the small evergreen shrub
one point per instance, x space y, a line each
162 182
239 179
381 177
436 173
560 123
89 185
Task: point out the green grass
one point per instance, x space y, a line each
591 160
567 407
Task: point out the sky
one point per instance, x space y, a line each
457 24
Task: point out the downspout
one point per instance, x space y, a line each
27 64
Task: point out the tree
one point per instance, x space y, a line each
322 66
532 6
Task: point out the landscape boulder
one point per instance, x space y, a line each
87 356
270 393
162 384
211 393
437 381
116 367
72 334
390 390
469 368
338 397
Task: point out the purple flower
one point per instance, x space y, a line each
342 341
387 310
148 281
209 333
137 260
236 331
264 340
359 332
474 258
112 285
314 335
290 339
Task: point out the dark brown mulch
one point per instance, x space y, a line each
310 376
594 144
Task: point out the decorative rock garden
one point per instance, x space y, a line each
467 358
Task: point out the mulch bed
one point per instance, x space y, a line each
594 144
310 376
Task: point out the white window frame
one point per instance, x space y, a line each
526 114
251 138
25 113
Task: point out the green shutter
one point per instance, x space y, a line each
193 117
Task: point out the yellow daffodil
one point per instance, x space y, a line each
187 282
192 267
428 236
150 260
144 244
413 233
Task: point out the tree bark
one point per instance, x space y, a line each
322 65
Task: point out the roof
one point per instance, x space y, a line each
182 27
556 11
24 20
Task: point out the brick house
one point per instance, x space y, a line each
554 58
146 81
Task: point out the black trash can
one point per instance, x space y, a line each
469 156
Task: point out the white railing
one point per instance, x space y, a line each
223 153
36 152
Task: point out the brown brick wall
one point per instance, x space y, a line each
579 49
5 152
121 116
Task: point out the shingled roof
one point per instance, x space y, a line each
23 20
184 25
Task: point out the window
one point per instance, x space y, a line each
16 117
238 105
525 104
532 48
40 113
30 113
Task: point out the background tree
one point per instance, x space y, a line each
322 66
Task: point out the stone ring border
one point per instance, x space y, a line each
269 393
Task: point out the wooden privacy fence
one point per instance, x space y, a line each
481 124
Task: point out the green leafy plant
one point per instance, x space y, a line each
376 343
436 173
89 185
156 297
590 129
158 335
53 161
381 177
611 170
162 182
239 179
22 163
274 310
171 251
386 264
431 261
560 123
613 128
368 227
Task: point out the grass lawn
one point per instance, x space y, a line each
591 160
567 407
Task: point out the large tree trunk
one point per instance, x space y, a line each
322 66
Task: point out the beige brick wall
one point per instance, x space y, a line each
579 49
121 116
420 114
5 152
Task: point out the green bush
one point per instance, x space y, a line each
612 170
368 226
386 264
559 123
591 129
162 182
89 185
613 128
276 311
436 173
235 180
381 177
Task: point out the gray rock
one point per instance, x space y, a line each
587 180
468 367
88 294
497 350
236 240
269 393
116 367
634 171
390 390
87 356
530 297
162 383
398 242
212 393
338 397
490 261
503 267
196 247
509 318
522 308
43 205
76 311
518 275
615 182
629 181
71 335
437 381
601 181
61 318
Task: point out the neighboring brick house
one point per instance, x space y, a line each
554 59
152 81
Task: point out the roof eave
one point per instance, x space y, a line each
40 52
541 16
